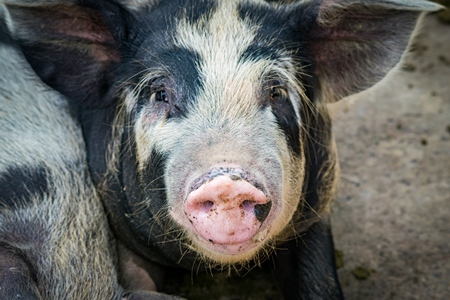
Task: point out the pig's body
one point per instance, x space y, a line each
206 124
55 242
53 230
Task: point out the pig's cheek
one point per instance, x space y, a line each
153 116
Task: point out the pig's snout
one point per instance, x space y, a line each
227 210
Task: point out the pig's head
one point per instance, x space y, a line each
205 120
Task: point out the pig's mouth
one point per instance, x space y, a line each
228 213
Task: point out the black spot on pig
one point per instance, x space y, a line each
18 185
182 64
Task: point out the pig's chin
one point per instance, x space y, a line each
226 251
230 252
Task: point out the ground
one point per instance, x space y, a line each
391 217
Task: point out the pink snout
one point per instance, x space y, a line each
227 211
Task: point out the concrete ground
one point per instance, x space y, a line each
391 218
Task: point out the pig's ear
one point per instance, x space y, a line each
73 48
355 43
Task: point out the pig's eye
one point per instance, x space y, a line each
277 93
161 95
274 93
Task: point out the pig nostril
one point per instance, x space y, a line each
206 205
247 203
262 211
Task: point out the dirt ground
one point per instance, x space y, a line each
391 219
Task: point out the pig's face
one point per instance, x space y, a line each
205 120
220 106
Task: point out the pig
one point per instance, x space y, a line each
206 125
55 242
53 229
